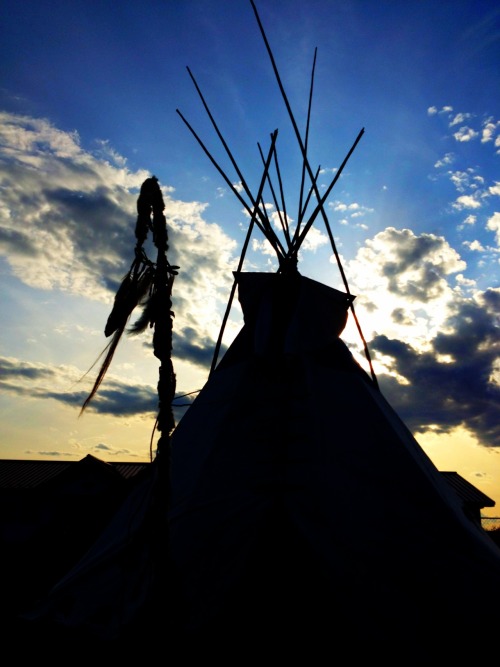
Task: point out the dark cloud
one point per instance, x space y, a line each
491 298
399 316
15 369
103 447
75 214
113 398
71 398
412 250
414 267
16 240
97 223
189 346
450 385
122 400
53 454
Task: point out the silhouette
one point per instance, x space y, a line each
244 543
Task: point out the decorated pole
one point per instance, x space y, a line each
149 285
160 312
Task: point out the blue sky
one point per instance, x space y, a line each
89 93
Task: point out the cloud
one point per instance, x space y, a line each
188 345
460 118
65 218
437 360
489 130
36 381
67 224
406 265
453 383
121 400
352 210
466 201
263 247
460 179
474 245
107 152
446 160
432 111
466 180
12 369
465 134
314 239
493 224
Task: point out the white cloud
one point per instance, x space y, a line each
432 111
328 170
465 134
463 180
460 180
314 239
107 152
412 274
474 245
489 129
493 225
278 220
263 247
353 210
68 217
466 201
24 138
446 160
460 118
466 282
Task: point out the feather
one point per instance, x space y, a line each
147 317
132 291
110 351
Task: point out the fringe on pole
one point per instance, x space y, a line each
148 285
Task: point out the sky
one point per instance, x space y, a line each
95 97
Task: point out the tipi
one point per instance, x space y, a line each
300 515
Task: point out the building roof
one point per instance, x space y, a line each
29 474
468 493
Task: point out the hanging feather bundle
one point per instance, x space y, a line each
148 285
132 292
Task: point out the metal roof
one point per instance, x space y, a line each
28 474
467 491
